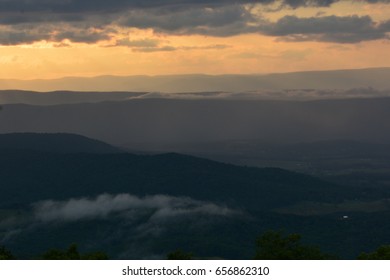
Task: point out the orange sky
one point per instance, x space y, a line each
150 52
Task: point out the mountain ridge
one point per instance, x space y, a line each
178 120
55 143
322 79
169 173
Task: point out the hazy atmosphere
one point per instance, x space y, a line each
185 129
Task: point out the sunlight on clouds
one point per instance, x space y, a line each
193 54
378 11
120 50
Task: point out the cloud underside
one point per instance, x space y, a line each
91 21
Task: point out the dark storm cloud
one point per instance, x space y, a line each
235 20
103 6
12 18
222 21
25 34
23 11
17 37
350 29
89 21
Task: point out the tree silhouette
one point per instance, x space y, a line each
273 246
382 253
5 254
179 255
72 253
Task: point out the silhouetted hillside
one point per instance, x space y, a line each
55 176
143 206
57 143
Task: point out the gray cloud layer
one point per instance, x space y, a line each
57 98
350 29
114 6
289 94
90 21
106 204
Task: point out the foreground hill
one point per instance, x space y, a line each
144 206
44 176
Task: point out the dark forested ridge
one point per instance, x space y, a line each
29 176
143 206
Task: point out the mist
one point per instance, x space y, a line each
104 205
69 97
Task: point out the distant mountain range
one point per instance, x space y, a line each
62 97
177 120
333 79
55 143
346 162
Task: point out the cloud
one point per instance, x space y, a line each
16 37
206 47
349 29
314 94
143 43
221 21
235 20
25 34
184 48
91 21
21 11
80 36
155 49
288 94
104 205
116 6
153 45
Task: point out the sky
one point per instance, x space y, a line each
45 39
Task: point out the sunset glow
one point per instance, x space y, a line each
217 37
